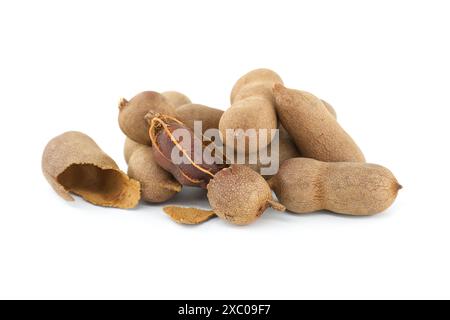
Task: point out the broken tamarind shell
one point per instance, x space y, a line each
188 215
187 171
73 162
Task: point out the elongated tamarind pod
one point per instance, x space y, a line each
313 128
307 185
252 107
73 162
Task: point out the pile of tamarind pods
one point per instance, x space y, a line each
321 166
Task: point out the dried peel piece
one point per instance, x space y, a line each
188 215
73 162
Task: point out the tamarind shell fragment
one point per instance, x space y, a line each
188 215
73 163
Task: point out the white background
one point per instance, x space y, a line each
384 66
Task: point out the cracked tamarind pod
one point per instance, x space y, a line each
157 185
313 128
73 162
352 188
192 169
240 195
132 114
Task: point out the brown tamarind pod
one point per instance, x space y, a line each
352 188
132 114
129 147
240 195
157 185
313 128
177 99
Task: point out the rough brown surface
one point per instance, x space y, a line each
176 98
157 185
255 76
330 108
286 150
129 147
188 215
258 89
307 185
210 117
72 162
252 106
132 114
240 195
313 128
251 113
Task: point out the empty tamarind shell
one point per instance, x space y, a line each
73 162
157 185
132 114
240 195
188 172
